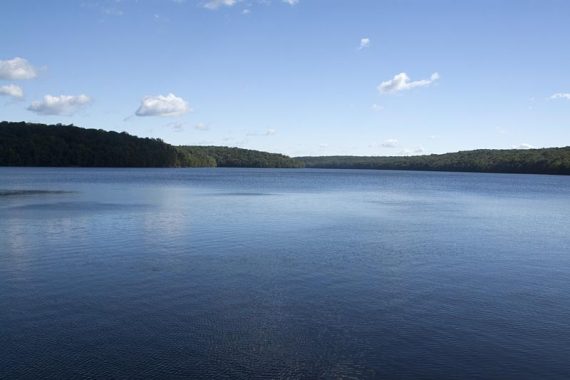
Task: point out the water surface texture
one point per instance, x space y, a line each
241 273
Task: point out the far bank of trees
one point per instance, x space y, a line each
538 161
236 157
31 144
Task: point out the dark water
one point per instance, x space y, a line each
197 273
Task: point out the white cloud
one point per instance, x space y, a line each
291 2
160 105
523 146
215 4
402 82
376 107
16 69
561 95
12 90
390 143
364 43
59 105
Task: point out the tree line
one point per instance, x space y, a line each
236 157
32 144
537 161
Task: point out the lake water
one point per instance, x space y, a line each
241 273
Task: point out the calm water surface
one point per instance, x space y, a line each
241 273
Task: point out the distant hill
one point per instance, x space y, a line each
29 144
537 161
237 157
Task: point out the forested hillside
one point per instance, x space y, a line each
539 161
29 144
237 157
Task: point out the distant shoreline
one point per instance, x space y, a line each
245 167
39 145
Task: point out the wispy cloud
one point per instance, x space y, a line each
216 4
402 82
364 43
390 143
161 105
267 132
176 126
113 12
59 105
376 107
412 151
202 127
561 95
523 146
16 69
12 90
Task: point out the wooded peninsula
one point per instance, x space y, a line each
30 144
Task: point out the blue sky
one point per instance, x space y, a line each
306 77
